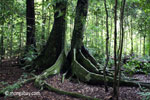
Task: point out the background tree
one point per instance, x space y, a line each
115 92
107 44
30 18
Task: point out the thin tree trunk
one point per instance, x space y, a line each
2 44
144 41
141 42
102 39
115 92
11 37
144 45
149 44
107 48
131 38
140 45
96 24
30 18
121 44
110 36
20 37
125 42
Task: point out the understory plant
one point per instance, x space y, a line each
145 95
137 66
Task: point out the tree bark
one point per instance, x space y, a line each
20 36
121 44
131 38
49 23
56 40
43 23
107 48
2 44
30 18
11 37
80 19
144 41
144 45
115 92
83 56
110 36
149 43
140 44
102 39
78 32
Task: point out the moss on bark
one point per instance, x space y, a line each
56 40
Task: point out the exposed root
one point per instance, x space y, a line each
89 77
86 63
82 68
61 92
53 70
89 56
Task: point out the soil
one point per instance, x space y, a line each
11 73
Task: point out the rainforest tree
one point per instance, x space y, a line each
56 40
30 18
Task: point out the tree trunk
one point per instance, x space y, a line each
110 36
125 42
144 41
49 23
30 18
43 23
131 38
107 48
83 56
78 32
102 43
11 37
140 44
121 44
144 45
80 19
20 36
56 40
115 92
149 43
2 44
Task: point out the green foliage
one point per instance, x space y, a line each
24 76
138 65
130 67
29 57
110 63
145 4
31 54
146 95
3 83
10 88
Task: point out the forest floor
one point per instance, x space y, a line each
10 73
